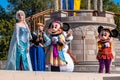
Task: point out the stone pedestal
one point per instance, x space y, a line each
2 64
58 15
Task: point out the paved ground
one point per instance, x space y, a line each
31 75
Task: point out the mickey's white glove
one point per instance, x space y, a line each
55 40
107 44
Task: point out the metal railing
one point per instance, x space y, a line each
39 17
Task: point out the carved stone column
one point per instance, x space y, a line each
95 4
61 5
56 5
100 5
66 4
88 4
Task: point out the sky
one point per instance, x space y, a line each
4 3
117 1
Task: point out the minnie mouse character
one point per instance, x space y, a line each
105 55
57 55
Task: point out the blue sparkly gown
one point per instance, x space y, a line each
18 55
37 53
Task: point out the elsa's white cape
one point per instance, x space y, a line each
11 62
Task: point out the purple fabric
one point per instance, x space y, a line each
105 63
55 51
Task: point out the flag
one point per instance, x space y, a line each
76 5
70 4
64 4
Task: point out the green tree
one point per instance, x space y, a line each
29 6
6 30
83 4
6 27
111 6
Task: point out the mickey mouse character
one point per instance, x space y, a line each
57 54
105 55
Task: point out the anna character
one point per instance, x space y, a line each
37 52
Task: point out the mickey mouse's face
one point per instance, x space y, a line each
55 28
105 34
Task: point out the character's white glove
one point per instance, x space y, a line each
107 44
55 40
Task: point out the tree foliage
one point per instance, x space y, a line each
29 6
111 6
6 30
83 4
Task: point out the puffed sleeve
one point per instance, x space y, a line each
17 34
99 46
34 37
110 45
47 40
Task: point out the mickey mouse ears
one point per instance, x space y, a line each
100 29
113 33
66 27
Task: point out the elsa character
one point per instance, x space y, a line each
18 55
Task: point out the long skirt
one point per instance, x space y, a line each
37 55
21 57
